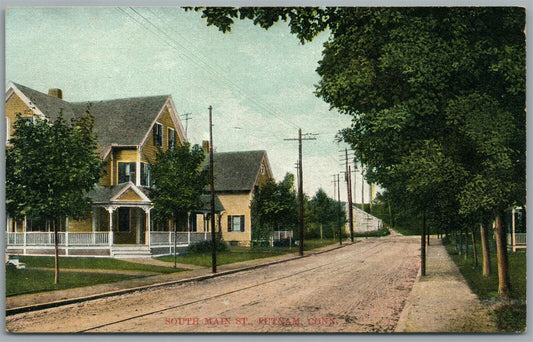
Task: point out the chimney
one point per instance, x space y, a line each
205 145
56 92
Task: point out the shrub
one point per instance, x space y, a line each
205 246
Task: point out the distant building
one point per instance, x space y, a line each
237 175
363 221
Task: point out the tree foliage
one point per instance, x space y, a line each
273 207
437 97
50 167
178 181
325 216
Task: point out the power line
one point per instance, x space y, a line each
187 118
205 65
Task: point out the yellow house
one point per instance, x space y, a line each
237 175
129 133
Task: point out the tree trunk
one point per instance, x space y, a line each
56 245
485 251
474 248
423 246
504 283
466 241
460 233
175 243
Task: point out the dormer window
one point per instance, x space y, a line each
158 134
126 172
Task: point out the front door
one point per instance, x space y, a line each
126 233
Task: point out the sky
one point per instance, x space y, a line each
259 82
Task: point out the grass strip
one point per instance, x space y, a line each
510 316
238 254
93 263
27 281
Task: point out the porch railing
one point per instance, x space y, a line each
98 238
65 239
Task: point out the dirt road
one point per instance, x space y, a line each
358 288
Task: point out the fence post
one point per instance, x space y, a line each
66 242
24 232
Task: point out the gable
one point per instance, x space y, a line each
119 122
238 171
130 196
14 106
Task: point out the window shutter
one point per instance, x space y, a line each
122 177
132 174
229 224
242 223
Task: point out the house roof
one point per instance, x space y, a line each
106 194
117 122
236 171
103 194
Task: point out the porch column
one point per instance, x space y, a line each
110 210
147 230
95 218
67 228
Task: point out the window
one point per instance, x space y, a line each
171 138
126 172
158 134
146 175
236 223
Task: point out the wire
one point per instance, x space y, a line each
200 62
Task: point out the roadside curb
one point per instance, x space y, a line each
42 306
408 305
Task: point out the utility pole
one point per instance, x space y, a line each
354 182
340 207
212 189
362 188
349 189
300 191
187 118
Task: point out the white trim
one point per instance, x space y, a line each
268 170
138 167
128 187
177 122
173 115
8 129
24 99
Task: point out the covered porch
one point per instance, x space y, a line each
120 227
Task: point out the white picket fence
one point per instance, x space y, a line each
182 238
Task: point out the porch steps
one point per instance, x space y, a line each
131 252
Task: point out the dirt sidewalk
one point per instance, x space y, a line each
441 301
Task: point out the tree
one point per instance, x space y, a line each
178 183
50 167
326 214
273 207
399 72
